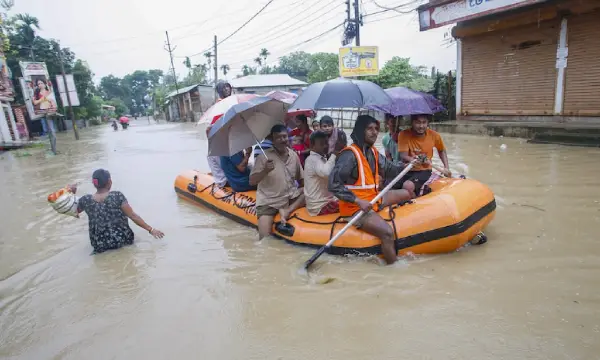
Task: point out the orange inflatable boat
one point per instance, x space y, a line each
454 213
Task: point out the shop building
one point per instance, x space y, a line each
523 60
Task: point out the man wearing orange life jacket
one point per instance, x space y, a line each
354 181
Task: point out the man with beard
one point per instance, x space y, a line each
420 140
354 181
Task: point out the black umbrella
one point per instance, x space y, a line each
341 93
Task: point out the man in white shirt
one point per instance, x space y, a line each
317 167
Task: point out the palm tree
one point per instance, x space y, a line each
188 63
225 68
246 70
26 25
208 55
258 61
264 53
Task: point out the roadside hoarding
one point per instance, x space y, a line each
6 87
39 87
461 10
359 61
72 90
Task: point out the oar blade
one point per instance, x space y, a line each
314 258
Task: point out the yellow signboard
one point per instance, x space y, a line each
359 61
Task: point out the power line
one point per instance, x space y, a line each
236 31
263 42
299 9
285 41
225 15
297 45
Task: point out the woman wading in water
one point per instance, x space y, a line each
108 212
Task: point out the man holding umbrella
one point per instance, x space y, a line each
354 181
275 173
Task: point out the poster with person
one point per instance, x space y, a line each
39 87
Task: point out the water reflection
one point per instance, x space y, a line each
211 288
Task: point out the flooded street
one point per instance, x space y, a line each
210 290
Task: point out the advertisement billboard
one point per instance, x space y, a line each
359 61
72 90
39 87
6 86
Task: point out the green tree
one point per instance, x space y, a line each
248 70
399 72
323 67
296 64
258 60
120 107
264 53
112 87
208 55
154 76
225 68
82 75
188 63
26 25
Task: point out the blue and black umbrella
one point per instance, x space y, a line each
341 93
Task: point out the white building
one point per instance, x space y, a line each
262 84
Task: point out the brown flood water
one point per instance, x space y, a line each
209 290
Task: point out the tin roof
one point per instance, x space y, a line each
265 80
186 90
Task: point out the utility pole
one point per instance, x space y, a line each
357 21
170 51
348 32
64 76
216 68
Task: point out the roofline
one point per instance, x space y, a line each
262 86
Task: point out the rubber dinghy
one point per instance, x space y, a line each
454 213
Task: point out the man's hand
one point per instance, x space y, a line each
364 205
269 166
248 152
446 172
423 159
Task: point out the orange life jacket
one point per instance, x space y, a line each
365 187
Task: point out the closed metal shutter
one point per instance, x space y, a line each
510 72
582 82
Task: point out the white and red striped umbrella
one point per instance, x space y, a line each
286 97
218 109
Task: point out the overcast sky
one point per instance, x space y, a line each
121 36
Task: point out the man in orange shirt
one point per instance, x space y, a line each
420 140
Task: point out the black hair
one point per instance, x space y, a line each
315 121
326 120
316 135
416 116
302 118
361 124
100 178
278 129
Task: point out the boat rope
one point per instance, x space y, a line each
232 195
338 220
